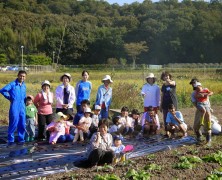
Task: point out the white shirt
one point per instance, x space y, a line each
60 95
152 95
127 121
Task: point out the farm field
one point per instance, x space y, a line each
126 91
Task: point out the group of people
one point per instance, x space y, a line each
26 112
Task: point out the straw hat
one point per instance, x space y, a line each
60 116
150 75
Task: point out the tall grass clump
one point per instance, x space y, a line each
125 94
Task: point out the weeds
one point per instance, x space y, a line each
215 175
150 157
105 168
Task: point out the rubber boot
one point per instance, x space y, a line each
208 139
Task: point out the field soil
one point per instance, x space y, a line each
165 160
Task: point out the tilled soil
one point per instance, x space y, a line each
165 160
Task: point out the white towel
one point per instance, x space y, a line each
49 97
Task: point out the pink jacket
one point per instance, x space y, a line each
43 106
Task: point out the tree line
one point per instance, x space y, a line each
95 32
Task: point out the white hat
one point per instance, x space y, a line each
107 77
67 75
197 84
87 110
150 75
60 115
46 82
97 107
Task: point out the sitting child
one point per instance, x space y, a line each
126 121
150 122
115 129
83 125
67 137
57 127
175 122
136 119
95 120
118 149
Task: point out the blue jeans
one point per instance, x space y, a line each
65 138
127 130
104 113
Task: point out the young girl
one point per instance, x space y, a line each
83 90
31 119
58 127
126 121
95 119
118 149
136 119
150 121
83 126
115 128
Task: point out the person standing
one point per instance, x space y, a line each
151 93
43 101
15 92
83 90
168 94
104 96
65 94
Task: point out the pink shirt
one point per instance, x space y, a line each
43 106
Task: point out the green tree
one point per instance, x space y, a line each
135 49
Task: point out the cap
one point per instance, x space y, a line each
194 80
97 107
197 84
118 138
150 75
87 110
30 96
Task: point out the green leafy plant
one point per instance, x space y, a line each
215 157
105 168
106 177
215 175
150 156
138 175
152 167
187 162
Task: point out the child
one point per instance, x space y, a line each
118 149
57 128
126 121
115 128
136 118
150 122
83 125
202 101
31 119
95 119
67 137
175 122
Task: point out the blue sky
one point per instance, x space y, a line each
121 2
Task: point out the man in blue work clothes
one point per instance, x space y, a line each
15 92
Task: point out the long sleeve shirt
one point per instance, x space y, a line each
83 91
104 96
60 96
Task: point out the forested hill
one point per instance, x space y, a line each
95 32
